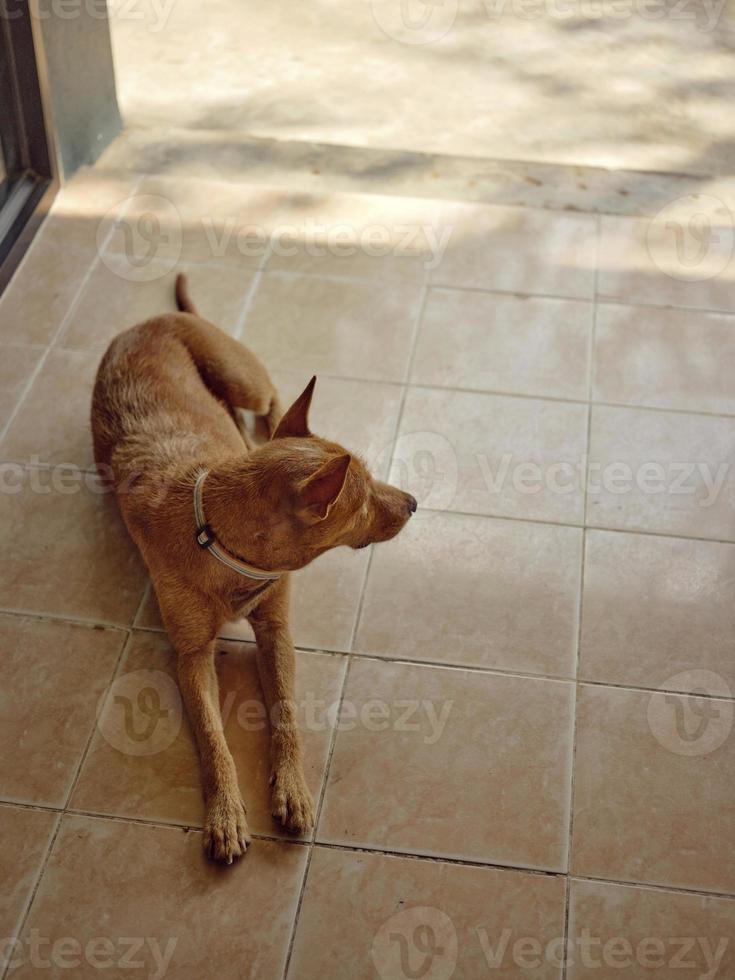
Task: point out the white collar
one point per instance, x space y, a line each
205 538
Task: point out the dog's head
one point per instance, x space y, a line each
314 495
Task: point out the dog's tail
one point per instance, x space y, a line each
183 299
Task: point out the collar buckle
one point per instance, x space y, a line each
204 536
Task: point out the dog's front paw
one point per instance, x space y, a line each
226 834
291 800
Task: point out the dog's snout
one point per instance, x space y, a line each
412 505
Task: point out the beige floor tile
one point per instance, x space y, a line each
661 262
33 306
361 415
492 454
313 325
114 300
57 673
643 933
518 250
65 549
119 882
86 208
157 777
25 835
325 598
324 601
665 358
652 800
658 612
492 342
475 591
475 916
175 219
53 421
660 471
16 366
453 764
369 236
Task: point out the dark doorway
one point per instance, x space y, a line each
27 175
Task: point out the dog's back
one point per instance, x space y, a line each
167 390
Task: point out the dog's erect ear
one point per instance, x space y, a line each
318 492
296 420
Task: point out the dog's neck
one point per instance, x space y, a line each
219 521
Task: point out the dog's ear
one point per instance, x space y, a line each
295 421
320 491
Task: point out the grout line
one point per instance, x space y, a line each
580 609
437 859
648 886
579 526
565 928
317 816
389 852
102 704
70 618
421 307
25 912
416 385
147 592
348 655
250 295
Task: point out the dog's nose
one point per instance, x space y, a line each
412 505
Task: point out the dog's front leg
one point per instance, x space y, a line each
291 800
192 630
226 833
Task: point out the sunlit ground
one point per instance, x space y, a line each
644 88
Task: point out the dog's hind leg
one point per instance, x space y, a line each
291 800
230 371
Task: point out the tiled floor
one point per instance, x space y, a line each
517 716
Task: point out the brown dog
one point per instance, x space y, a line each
220 522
